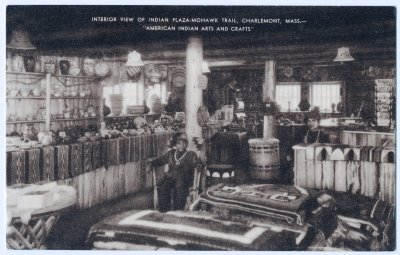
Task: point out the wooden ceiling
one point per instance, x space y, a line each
370 32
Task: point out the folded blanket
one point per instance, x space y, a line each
274 201
62 162
87 157
186 231
76 159
47 160
17 169
33 165
96 155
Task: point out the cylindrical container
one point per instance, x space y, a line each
154 104
264 159
116 104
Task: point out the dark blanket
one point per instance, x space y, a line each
186 231
354 222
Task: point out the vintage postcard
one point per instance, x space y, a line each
200 127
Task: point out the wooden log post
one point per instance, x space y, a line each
269 96
194 94
48 101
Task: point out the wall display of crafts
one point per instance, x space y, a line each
384 91
25 100
71 83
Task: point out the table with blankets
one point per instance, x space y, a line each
255 217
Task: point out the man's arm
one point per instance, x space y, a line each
161 160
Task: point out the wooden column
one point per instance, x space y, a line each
269 96
48 101
194 94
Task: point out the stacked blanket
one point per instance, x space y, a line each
279 202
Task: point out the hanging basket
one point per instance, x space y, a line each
134 72
163 69
203 81
178 77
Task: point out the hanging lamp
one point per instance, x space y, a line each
20 41
343 55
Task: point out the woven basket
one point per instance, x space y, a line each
31 235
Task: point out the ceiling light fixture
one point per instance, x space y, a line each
343 55
20 41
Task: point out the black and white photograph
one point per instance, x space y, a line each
199 127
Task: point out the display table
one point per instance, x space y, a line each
33 210
365 170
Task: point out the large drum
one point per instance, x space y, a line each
264 159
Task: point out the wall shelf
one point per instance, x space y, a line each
39 98
62 97
78 77
74 119
25 121
125 116
26 73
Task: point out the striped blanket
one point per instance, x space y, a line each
278 202
179 230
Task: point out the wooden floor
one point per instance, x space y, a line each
71 229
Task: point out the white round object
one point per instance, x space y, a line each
101 69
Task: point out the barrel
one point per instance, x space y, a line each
264 159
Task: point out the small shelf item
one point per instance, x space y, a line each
384 101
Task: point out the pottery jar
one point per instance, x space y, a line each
13 92
29 64
88 66
38 65
37 92
91 108
64 66
17 63
74 68
25 92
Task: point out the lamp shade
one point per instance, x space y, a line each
134 59
343 55
20 41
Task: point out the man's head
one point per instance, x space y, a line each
312 119
181 141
